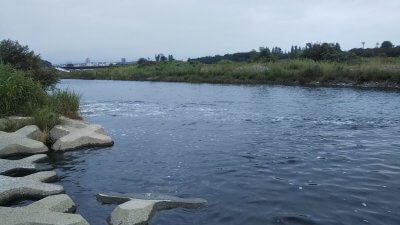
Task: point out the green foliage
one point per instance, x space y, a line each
65 102
11 52
46 118
19 94
293 71
387 45
21 58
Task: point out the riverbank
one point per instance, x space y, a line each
364 72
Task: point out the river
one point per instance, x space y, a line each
259 154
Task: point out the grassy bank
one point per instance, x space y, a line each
20 95
380 71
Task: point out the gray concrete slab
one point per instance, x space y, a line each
31 186
75 134
138 209
28 164
54 210
22 142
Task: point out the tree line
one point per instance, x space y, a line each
314 51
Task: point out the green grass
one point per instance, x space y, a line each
21 96
356 72
45 118
65 103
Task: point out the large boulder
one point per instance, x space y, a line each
138 209
75 134
54 209
24 141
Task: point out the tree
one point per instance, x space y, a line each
324 51
163 58
171 58
142 61
387 45
21 58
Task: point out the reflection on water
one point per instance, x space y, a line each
258 154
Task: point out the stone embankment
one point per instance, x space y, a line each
54 206
28 178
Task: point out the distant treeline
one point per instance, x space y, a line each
314 51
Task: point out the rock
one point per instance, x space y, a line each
54 209
16 121
135 209
31 186
22 142
27 164
74 134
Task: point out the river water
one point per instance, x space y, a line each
258 154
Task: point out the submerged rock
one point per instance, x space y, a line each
135 209
31 186
54 209
22 142
74 134
25 164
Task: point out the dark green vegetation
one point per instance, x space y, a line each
314 51
21 58
315 64
26 90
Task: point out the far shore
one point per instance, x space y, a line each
364 73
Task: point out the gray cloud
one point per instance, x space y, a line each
71 30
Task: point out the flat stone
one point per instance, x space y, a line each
27 164
31 186
138 209
74 134
22 142
54 209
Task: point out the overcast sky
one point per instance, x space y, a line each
106 30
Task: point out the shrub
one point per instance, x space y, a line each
21 58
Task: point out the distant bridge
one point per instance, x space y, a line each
83 67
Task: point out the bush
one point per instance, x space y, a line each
19 94
47 77
21 58
65 102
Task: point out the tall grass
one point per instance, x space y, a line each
66 103
355 72
21 96
45 118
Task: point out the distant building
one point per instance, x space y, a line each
123 61
87 62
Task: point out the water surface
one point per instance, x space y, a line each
258 154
